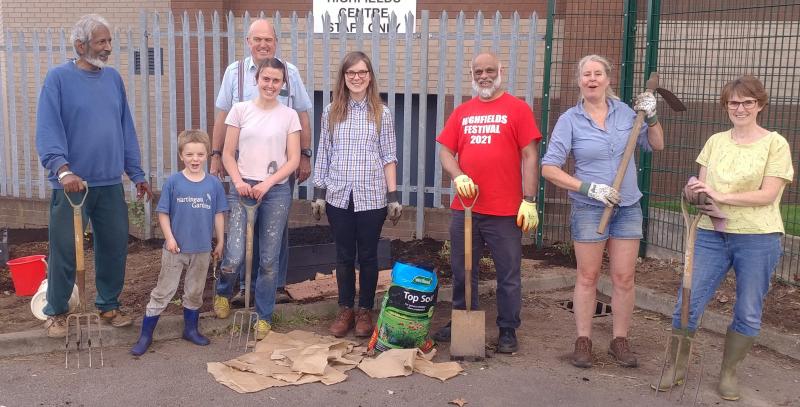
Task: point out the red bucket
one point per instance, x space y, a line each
27 273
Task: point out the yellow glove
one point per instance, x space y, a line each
527 218
464 186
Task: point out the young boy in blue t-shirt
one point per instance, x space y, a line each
190 209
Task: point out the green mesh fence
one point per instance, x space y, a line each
696 47
701 46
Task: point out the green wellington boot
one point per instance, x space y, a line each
736 348
678 360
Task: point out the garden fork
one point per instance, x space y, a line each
245 319
83 326
682 338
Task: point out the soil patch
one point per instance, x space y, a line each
782 307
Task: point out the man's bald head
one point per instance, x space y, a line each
262 40
486 76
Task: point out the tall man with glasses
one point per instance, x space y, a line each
239 84
485 143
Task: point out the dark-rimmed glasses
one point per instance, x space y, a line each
352 74
747 104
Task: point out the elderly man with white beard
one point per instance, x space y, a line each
85 137
485 143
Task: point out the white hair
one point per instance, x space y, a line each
83 29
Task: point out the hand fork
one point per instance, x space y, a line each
84 325
245 319
686 294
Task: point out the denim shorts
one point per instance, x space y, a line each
625 223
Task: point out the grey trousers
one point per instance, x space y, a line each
194 282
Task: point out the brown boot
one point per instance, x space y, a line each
620 350
364 323
582 355
344 322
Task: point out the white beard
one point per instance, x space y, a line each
486 93
96 62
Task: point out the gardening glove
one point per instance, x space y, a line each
601 192
395 210
318 204
464 186
527 218
646 102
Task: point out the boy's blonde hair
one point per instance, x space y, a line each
193 136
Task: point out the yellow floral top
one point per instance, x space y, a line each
735 167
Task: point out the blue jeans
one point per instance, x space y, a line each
273 213
753 258
283 256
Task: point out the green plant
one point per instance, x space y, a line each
136 213
486 262
566 249
444 252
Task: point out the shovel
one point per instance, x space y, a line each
83 326
468 329
245 320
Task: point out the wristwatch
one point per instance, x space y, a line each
216 152
306 152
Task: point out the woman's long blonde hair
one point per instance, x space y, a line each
341 96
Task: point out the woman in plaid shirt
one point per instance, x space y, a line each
355 184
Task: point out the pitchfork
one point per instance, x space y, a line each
680 339
84 325
245 319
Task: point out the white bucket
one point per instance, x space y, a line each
39 301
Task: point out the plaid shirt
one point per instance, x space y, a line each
351 157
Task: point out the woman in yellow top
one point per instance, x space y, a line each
744 170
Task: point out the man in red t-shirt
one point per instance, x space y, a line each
493 135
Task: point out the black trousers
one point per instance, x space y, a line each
356 232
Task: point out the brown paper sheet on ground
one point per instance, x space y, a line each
324 286
403 362
301 357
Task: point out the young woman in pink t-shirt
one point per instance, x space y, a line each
262 148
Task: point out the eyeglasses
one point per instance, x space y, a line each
352 74
747 104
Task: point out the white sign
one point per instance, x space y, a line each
351 9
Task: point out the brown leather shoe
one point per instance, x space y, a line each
620 350
344 322
364 325
582 355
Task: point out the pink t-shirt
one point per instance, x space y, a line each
262 137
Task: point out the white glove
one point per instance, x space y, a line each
601 192
318 204
646 102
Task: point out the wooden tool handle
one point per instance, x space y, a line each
468 257
80 268
652 84
248 260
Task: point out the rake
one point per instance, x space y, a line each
83 326
245 319
682 339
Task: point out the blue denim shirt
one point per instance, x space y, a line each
597 152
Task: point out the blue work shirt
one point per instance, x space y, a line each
597 152
293 93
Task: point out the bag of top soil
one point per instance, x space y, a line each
407 310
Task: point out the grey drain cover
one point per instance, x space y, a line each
601 309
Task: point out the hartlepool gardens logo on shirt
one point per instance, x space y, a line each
195 201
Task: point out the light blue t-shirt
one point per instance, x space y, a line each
191 207
294 95
597 152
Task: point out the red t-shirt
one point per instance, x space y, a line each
488 138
